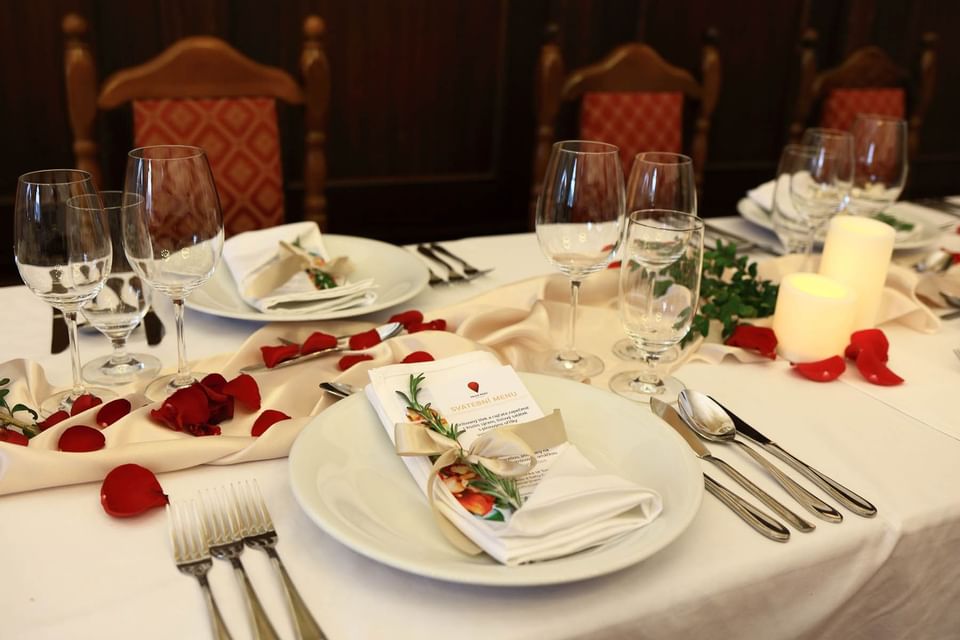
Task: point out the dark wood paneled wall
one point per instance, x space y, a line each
431 123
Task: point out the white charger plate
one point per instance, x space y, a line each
397 273
349 481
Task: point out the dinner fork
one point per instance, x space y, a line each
193 559
452 274
222 534
258 532
468 269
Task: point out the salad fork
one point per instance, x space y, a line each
193 559
258 532
221 528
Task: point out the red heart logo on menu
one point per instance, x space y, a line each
474 386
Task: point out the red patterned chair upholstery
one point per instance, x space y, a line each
202 92
868 81
632 98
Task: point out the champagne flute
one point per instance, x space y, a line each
121 304
659 292
880 169
658 180
579 222
63 255
173 234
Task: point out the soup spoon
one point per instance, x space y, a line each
713 423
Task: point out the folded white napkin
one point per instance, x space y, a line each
272 256
570 507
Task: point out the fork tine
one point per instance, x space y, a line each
261 506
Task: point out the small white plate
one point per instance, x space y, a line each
349 481
397 273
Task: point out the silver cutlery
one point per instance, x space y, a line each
452 274
468 269
742 242
192 558
711 422
258 532
385 331
845 496
221 528
338 389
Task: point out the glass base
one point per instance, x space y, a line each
63 400
579 367
626 349
102 371
629 385
160 388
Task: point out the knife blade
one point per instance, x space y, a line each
385 331
60 336
761 246
850 499
153 327
757 519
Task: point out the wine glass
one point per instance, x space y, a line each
880 168
658 180
579 219
122 302
792 228
63 255
172 234
659 292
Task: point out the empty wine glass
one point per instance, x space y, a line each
659 293
880 167
658 180
791 227
63 255
122 302
172 234
579 222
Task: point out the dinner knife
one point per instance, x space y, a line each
851 500
736 237
760 521
60 336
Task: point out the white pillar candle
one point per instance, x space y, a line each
813 318
857 253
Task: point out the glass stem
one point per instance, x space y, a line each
120 355
78 389
570 353
808 249
183 377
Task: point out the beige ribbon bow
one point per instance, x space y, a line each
492 450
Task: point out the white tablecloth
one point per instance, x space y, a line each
71 571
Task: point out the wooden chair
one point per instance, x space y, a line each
201 91
868 81
629 76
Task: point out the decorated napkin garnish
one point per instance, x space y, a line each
500 476
287 269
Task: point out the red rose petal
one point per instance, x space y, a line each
760 340
218 401
365 340
53 419
244 388
13 437
614 265
84 402
113 411
186 410
868 339
822 370
267 419
875 370
272 356
79 438
407 318
348 361
129 490
434 325
418 356
318 341
214 381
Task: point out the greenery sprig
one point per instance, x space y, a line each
7 417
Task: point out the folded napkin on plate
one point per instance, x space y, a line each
275 270
567 504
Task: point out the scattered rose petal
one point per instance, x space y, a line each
219 401
244 388
434 325
365 340
418 356
129 490
868 339
348 361
84 402
272 356
875 370
214 381
186 410
407 318
614 265
267 419
822 370
318 341
53 419
79 438
760 340
113 411
13 437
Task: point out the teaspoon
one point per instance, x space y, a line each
713 423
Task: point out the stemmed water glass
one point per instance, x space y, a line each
791 227
579 222
63 255
880 168
659 293
173 234
122 302
658 180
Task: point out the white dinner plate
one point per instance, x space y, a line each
397 273
349 481
923 234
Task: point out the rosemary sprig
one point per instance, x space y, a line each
28 429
